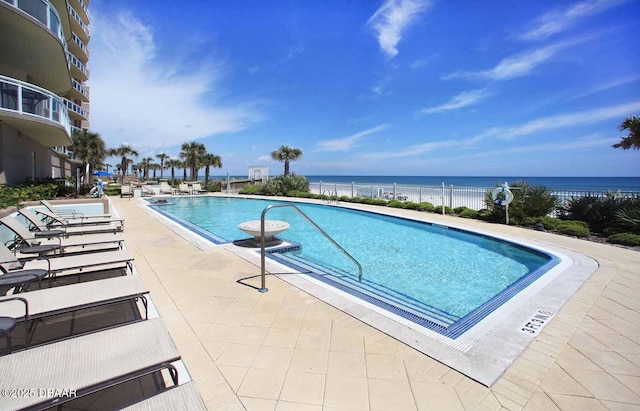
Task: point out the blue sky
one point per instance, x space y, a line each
404 87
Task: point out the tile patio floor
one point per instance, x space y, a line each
288 351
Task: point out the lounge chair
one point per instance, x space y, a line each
73 264
73 297
165 188
26 238
88 363
126 191
53 220
40 230
196 188
70 212
184 189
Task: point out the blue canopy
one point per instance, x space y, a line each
102 174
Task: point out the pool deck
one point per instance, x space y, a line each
286 350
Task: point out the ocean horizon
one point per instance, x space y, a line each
627 184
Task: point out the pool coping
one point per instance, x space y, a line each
482 353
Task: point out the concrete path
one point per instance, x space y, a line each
288 351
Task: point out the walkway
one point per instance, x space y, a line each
288 351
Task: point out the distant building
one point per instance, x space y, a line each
43 97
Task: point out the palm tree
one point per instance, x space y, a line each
209 160
162 157
146 165
90 149
286 154
632 124
191 152
123 151
155 167
172 164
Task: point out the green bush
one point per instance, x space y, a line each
611 210
629 239
395 204
32 191
468 213
447 210
574 228
427 206
345 199
528 201
460 209
281 185
251 189
357 199
411 205
213 186
379 202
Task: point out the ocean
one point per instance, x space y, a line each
628 184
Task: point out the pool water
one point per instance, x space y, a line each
436 272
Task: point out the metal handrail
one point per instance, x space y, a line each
263 288
330 196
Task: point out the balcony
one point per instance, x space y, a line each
78 92
78 48
75 111
78 26
78 70
82 9
35 112
32 39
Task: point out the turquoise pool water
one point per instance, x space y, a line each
444 274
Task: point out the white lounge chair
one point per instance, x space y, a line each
126 191
70 212
66 230
165 188
52 219
184 189
196 188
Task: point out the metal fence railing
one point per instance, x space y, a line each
471 197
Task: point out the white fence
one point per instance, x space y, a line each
472 197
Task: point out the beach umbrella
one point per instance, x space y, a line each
102 174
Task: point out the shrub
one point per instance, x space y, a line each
32 191
379 202
213 186
612 210
528 201
427 206
411 205
357 199
395 204
251 189
575 228
346 199
629 239
281 185
447 210
468 213
460 209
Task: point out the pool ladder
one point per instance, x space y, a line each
331 196
263 288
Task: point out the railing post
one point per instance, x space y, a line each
353 183
320 192
394 191
451 196
443 198
420 194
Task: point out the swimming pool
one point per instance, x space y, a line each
441 278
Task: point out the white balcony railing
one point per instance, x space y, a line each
45 13
78 20
80 43
80 88
24 98
76 62
74 107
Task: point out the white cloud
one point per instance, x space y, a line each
139 98
391 19
346 143
514 66
464 99
560 20
571 120
607 86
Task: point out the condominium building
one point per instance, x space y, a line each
43 95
